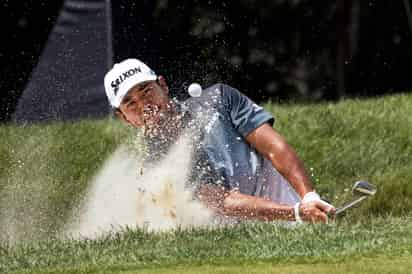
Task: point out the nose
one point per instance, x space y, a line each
148 113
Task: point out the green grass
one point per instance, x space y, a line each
240 244
44 171
362 265
365 266
353 140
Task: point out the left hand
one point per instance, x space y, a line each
314 212
313 196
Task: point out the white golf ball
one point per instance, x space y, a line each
195 90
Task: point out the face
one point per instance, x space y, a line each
146 104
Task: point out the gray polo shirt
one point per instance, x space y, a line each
224 117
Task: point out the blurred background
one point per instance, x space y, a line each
279 50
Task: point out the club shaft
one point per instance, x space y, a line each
351 204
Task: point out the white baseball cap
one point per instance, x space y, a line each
123 76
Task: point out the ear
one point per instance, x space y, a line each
121 116
163 84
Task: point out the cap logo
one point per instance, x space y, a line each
116 83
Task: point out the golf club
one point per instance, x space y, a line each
361 190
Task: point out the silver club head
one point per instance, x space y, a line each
363 188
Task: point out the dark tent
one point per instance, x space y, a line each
67 83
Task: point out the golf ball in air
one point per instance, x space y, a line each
195 90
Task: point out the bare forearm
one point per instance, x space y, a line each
235 204
251 207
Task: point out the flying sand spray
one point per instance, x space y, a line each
156 198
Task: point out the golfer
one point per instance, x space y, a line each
244 167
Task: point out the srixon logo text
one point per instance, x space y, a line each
124 76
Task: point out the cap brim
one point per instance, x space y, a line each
127 86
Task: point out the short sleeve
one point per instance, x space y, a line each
245 115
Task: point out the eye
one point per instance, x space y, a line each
143 86
131 104
146 89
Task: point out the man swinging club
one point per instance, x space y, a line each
246 168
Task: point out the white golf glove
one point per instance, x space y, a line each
313 196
